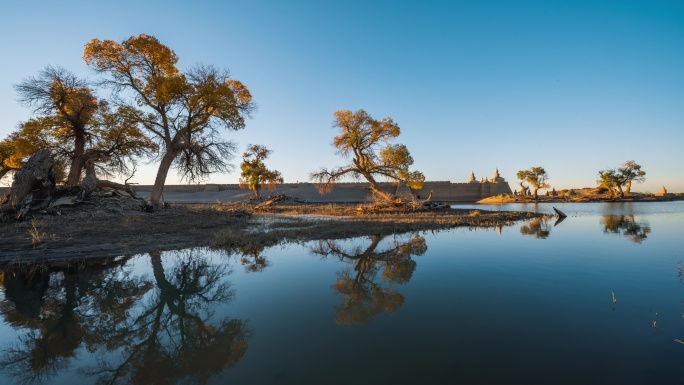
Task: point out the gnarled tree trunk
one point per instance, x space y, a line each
376 189
33 184
34 187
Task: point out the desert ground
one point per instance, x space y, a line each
107 226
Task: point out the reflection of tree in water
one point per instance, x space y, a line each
51 302
250 255
364 297
252 258
142 329
537 227
626 225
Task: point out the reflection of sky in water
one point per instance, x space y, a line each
478 307
590 208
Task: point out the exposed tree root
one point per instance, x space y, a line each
34 190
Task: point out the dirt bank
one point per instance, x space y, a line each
87 234
581 195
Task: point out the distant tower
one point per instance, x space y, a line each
497 178
663 193
472 178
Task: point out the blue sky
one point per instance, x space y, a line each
572 86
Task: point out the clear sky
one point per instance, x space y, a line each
573 86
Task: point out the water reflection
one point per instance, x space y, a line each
46 301
537 227
364 296
251 256
626 225
140 329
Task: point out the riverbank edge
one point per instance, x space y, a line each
578 199
68 238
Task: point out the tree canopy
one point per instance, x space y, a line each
13 153
536 177
81 131
182 111
614 179
631 172
367 142
254 174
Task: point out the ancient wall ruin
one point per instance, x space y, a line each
470 191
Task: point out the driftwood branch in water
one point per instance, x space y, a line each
560 213
561 216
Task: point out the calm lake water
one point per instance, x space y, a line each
531 304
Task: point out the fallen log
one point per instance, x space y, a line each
427 205
273 199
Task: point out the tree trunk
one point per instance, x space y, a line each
159 181
523 189
535 193
34 188
376 189
90 182
78 162
628 188
33 184
75 171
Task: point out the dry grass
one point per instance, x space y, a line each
36 235
300 223
233 226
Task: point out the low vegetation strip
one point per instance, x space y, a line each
80 234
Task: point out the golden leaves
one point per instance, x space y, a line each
71 102
103 54
360 139
166 89
255 174
240 91
138 55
